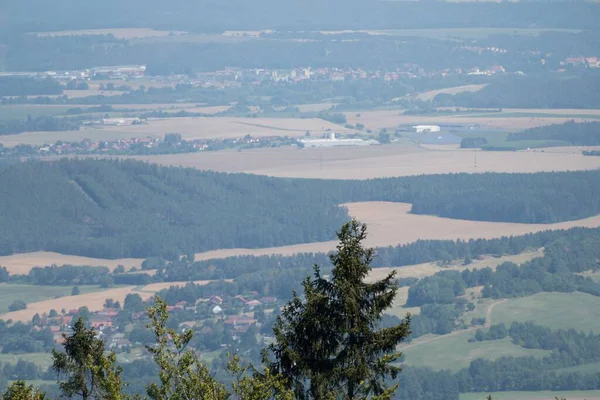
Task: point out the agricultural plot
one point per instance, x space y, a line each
375 161
24 262
554 310
385 218
429 95
91 297
230 127
34 293
454 352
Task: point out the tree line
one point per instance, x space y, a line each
25 86
14 126
112 208
549 91
578 134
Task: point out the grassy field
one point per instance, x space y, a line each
454 352
543 395
34 293
555 310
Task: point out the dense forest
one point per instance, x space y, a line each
19 86
530 92
118 209
579 134
39 124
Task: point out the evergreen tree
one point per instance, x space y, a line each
90 373
328 344
182 375
18 390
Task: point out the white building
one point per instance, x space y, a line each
332 141
426 128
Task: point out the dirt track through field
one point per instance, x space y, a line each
488 323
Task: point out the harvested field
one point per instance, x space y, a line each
428 269
120 33
22 263
392 118
94 134
376 161
231 127
426 96
94 301
74 94
314 107
385 220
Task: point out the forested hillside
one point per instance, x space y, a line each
531 92
579 134
113 209
123 209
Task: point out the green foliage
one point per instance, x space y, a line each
75 291
326 344
579 134
17 305
182 375
250 384
88 371
19 390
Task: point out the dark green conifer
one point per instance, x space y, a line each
328 344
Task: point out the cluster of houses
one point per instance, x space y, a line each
104 320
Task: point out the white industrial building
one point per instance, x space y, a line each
332 141
426 128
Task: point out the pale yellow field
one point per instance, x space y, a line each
314 107
22 263
391 224
230 127
94 134
390 119
377 161
120 33
426 96
428 269
94 301
74 94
